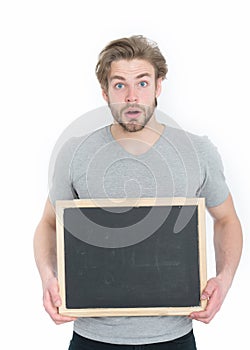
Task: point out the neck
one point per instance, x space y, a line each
140 141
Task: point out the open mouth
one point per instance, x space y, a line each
133 113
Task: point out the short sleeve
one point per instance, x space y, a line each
214 187
60 184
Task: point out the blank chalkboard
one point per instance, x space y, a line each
131 257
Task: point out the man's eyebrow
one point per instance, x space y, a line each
143 75
119 77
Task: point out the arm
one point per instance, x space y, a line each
228 247
45 256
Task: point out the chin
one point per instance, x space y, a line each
132 127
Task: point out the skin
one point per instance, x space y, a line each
132 88
131 97
132 85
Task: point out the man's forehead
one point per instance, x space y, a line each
136 68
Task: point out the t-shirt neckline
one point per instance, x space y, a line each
142 155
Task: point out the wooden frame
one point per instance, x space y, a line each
138 311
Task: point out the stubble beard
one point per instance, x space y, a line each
134 124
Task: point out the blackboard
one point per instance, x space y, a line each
131 257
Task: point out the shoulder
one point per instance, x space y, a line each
72 145
200 141
190 144
184 138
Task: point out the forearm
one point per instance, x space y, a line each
45 250
228 248
45 256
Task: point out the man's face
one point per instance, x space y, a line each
132 92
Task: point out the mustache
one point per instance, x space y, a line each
134 106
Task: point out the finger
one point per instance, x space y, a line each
207 315
54 294
53 311
48 304
209 290
59 319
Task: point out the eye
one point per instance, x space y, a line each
143 83
119 86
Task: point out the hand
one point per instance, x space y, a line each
215 292
52 300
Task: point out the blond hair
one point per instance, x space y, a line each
134 47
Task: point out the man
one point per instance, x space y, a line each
164 161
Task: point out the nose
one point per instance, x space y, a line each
131 95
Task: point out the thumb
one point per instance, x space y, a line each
208 291
55 296
57 301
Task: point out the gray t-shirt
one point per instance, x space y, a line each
179 164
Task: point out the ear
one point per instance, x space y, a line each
158 87
105 95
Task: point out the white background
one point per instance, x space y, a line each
48 54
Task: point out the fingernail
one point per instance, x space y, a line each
57 303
